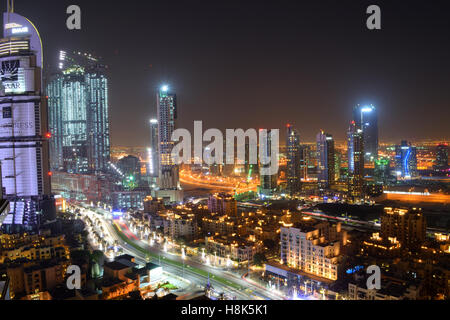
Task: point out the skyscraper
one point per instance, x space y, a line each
326 160
23 126
382 175
406 160
293 160
153 151
442 158
355 161
268 183
169 181
79 115
366 118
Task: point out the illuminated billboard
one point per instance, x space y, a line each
16 75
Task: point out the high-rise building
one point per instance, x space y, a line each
130 167
79 115
23 126
293 172
408 226
326 160
314 248
406 160
355 162
366 118
153 151
268 183
169 187
382 175
442 158
222 204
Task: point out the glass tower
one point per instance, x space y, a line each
293 160
366 118
79 115
326 160
355 161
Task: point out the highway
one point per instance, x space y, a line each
238 287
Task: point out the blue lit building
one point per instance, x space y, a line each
406 160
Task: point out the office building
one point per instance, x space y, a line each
326 160
268 183
366 118
293 172
130 167
169 187
406 161
442 158
382 173
79 115
153 151
355 162
24 130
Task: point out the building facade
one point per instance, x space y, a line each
169 187
406 160
24 134
293 172
355 162
326 160
366 118
79 115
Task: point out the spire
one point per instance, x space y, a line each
10 5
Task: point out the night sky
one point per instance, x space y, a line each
262 64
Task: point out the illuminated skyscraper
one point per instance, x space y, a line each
79 115
169 181
406 160
153 151
355 162
382 175
366 118
326 160
23 126
293 172
442 158
268 183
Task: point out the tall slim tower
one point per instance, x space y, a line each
366 118
293 160
268 183
24 151
406 160
153 152
326 160
169 181
355 162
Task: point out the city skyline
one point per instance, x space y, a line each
337 216
317 88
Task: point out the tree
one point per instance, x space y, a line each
259 259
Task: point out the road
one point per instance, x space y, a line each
237 287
